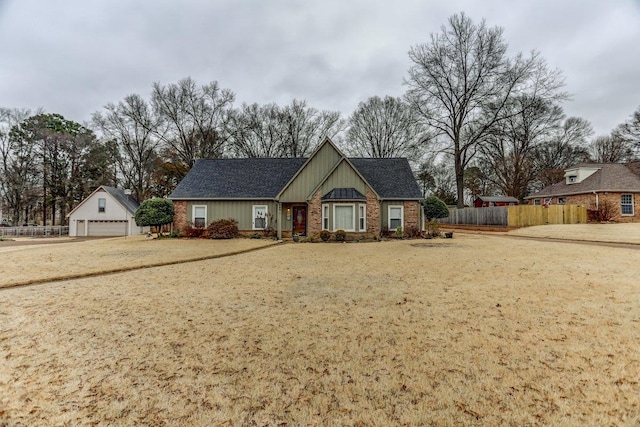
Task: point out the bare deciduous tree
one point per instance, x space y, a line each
610 149
386 127
566 148
131 125
192 119
629 131
460 83
272 131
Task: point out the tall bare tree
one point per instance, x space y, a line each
386 127
611 149
566 148
460 83
273 131
629 131
192 119
509 152
131 126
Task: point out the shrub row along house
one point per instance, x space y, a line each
286 196
610 191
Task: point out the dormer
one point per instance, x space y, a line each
579 174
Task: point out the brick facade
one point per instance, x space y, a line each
412 214
314 215
180 215
373 213
612 200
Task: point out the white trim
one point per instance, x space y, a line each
627 204
353 213
325 216
362 217
254 215
401 207
193 214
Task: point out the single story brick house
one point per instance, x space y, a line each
489 201
363 196
613 186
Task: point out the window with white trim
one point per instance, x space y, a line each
626 204
325 217
362 220
102 203
259 221
344 217
396 217
199 215
562 200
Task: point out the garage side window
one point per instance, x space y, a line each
102 203
199 216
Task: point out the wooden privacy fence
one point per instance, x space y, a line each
518 216
526 215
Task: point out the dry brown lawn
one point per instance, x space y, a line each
475 330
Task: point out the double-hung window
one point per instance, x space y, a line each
260 213
396 215
626 204
102 203
362 218
344 217
325 217
199 215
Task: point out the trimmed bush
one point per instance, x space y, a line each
223 229
412 232
341 236
325 235
435 208
193 232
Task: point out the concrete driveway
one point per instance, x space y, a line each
606 233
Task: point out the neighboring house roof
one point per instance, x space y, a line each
126 201
610 177
391 178
264 178
497 199
253 178
344 194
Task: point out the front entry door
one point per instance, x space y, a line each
300 220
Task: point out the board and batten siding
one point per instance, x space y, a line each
313 173
240 210
344 176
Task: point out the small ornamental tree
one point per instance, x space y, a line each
434 208
155 212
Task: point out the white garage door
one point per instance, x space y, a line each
107 228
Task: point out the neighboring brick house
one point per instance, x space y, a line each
611 187
362 196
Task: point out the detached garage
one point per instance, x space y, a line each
108 211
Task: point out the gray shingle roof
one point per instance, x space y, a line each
390 178
263 178
495 199
253 178
611 177
128 202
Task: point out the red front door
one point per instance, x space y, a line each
300 220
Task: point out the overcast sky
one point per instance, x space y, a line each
74 56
